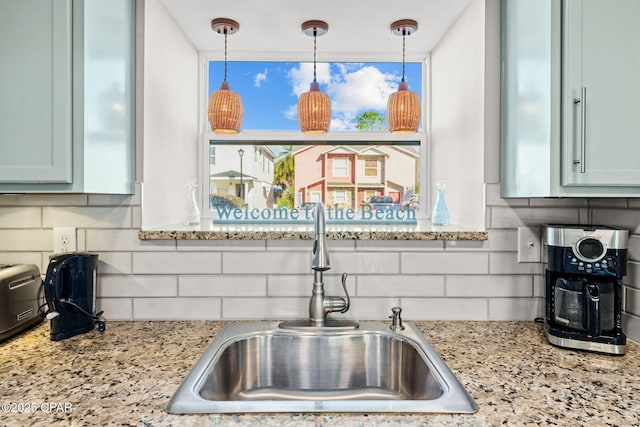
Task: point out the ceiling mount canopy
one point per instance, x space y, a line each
225 110
314 107
403 106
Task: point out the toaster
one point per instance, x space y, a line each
19 298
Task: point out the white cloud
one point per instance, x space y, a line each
302 76
291 112
260 77
366 88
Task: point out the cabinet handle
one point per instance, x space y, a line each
583 129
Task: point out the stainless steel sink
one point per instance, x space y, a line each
259 367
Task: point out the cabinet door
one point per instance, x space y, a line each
35 88
601 93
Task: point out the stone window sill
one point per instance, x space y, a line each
421 231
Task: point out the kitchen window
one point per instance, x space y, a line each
291 170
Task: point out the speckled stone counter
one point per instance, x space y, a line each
126 375
421 231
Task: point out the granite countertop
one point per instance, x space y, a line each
423 230
126 375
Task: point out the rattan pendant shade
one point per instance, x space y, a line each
403 106
403 110
225 111
314 111
314 107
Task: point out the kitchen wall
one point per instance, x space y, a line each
272 279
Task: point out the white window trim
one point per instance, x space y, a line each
334 169
285 136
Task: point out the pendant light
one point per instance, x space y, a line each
403 106
225 106
314 107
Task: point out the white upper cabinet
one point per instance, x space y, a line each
67 110
601 92
35 88
569 98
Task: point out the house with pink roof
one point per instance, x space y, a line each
346 176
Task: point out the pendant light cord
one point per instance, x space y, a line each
315 34
404 36
225 55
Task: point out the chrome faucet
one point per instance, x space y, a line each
321 305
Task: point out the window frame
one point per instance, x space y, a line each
257 137
335 168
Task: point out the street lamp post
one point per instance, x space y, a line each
241 153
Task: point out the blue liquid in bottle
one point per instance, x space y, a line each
440 214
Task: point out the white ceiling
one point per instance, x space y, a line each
358 29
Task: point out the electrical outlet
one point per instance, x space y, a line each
64 239
529 244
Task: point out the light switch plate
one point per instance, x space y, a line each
529 244
64 239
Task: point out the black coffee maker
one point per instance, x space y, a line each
70 291
585 266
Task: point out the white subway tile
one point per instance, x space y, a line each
503 240
267 309
399 245
444 308
115 308
137 286
539 286
89 217
363 309
366 263
633 302
124 240
26 240
516 217
222 286
507 263
608 203
632 278
114 200
221 245
266 262
445 263
634 248
43 200
302 285
568 202
22 258
136 217
23 217
81 239
466 245
177 262
114 263
176 308
515 308
489 286
631 326
626 218
307 245
400 286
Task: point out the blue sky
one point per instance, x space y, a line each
270 90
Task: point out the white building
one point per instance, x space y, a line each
244 171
